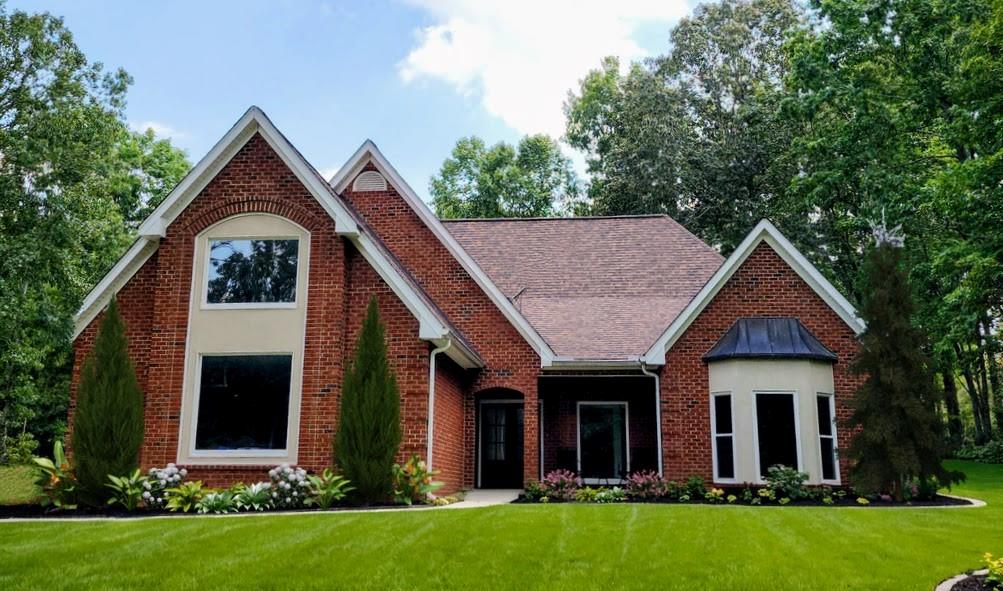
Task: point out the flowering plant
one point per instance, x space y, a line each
561 485
290 486
413 481
158 481
56 479
611 495
995 568
645 485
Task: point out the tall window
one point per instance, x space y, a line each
723 428
776 429
243 402
827 435
252 271
602 440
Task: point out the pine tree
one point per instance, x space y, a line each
369 432
900 434
108 421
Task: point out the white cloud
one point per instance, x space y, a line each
521 57
161 130
328 173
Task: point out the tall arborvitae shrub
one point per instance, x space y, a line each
108 421
369 431
900 433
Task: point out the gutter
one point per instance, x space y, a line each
431 400
658 410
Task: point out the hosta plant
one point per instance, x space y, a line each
56 479
413 481
611 495
256 497
995 568
217 502
587 494
127 491
787 482
327 488
290 486
185 497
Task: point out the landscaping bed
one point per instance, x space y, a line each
35 511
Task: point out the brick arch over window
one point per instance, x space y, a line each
296 213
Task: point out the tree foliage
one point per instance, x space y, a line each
900 435
695 134
108 419
532 179
369 431
72 179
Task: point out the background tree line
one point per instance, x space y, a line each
823 116
74 183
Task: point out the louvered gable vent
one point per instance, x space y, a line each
370 181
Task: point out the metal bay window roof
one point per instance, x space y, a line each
769 338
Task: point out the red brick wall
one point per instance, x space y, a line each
155 306
763 286
448 454
510 361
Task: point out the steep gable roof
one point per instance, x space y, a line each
369 153
589 285
766 232
433 324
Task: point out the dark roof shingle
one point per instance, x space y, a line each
594 288
778 338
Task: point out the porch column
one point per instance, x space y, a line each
531 433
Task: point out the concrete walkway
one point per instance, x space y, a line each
486 497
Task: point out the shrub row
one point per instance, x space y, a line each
783 486
990 453
287 487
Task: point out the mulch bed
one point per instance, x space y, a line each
973 583
938 501
39 512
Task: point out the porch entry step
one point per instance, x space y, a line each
485 497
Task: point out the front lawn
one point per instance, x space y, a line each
548 546
17 485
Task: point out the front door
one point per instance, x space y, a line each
501 445
603 454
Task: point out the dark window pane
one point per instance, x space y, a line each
252 271
824 415
725 457
828 459
243 402
777 433
722 414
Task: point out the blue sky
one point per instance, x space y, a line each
412 75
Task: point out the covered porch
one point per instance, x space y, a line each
602 427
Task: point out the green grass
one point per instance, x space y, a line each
17 485
520 546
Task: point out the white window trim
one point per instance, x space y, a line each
208 240
714 435
478 431
194 452
835 442
755 427
578 436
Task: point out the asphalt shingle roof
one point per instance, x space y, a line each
594 288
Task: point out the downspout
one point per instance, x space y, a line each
431 400
658 411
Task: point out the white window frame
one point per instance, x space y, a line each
210 238
578 436
795 400
291 433
714 435
835 444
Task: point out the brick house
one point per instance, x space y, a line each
601 345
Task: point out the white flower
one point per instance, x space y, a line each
184 472
146 495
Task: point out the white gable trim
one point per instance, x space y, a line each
253 121
431 328
368 152
766 232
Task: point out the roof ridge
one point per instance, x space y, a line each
558 219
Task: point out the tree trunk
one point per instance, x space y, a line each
973 393
955 429
992 359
